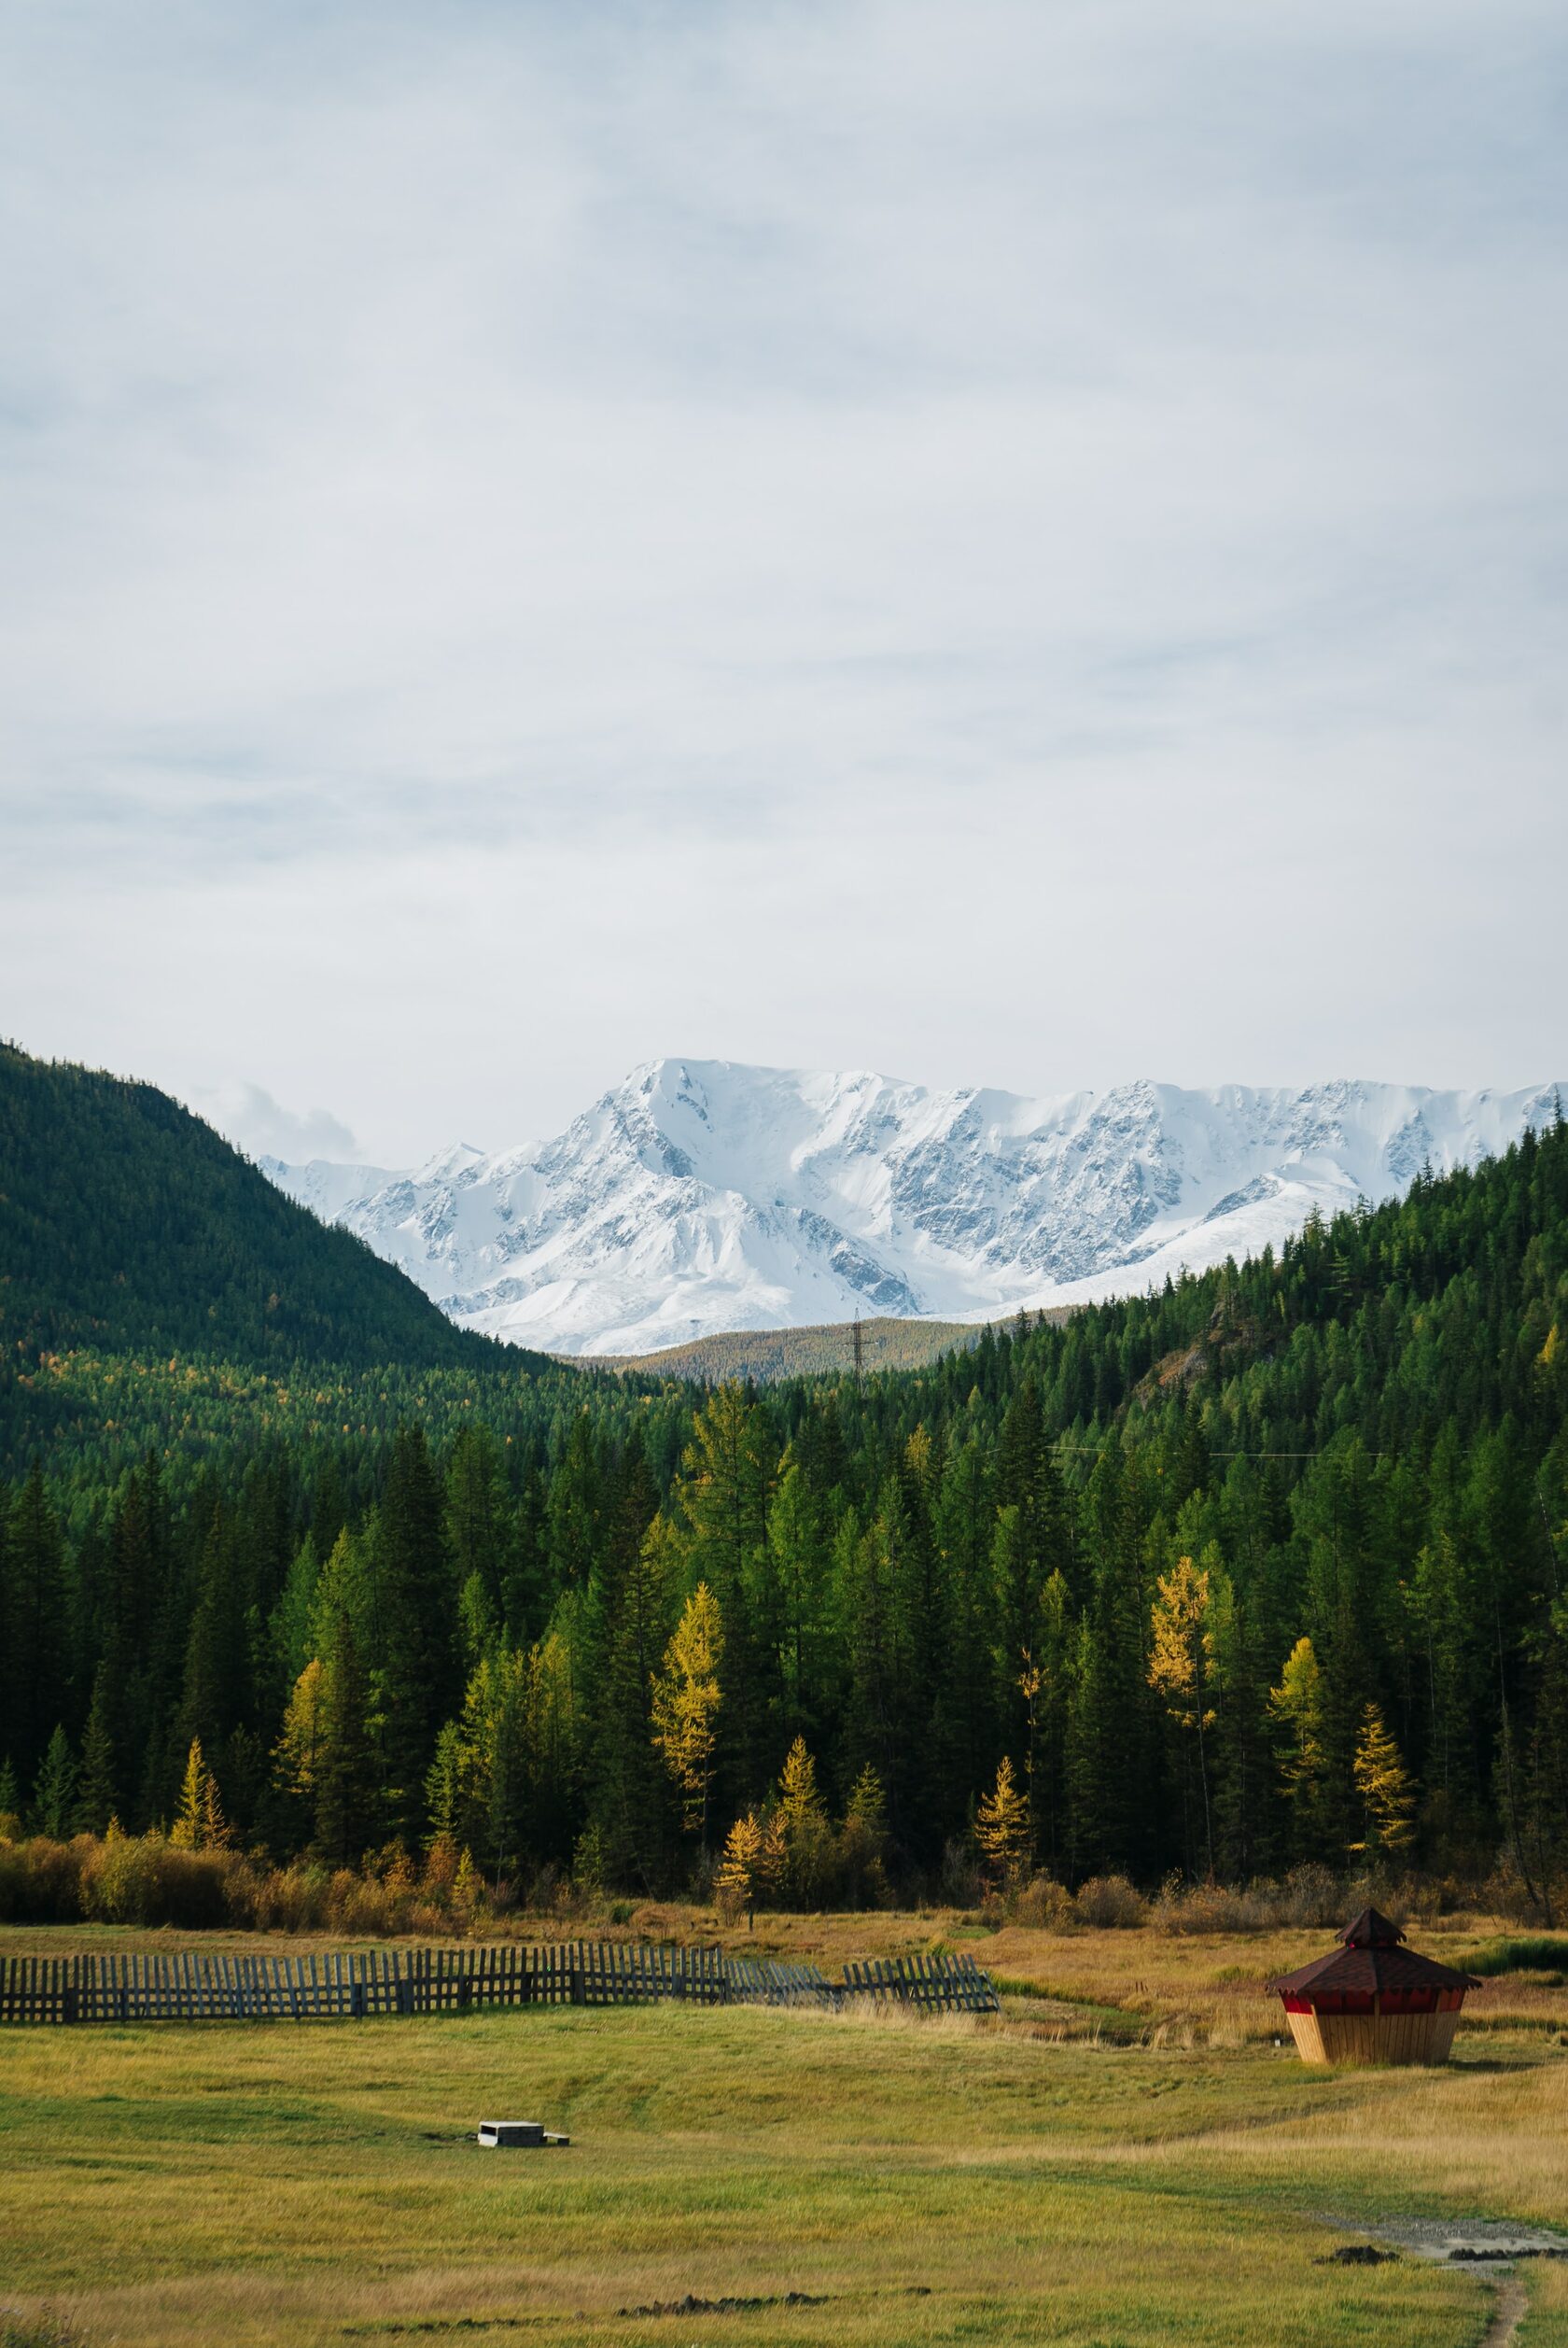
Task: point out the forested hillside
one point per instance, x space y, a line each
1262 1569
127 1224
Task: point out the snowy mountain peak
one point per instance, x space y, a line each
702 1195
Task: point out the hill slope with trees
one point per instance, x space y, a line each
127 1224
1264 1569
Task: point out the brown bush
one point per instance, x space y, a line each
1042 1904
1109 1899
40 1880
144 1879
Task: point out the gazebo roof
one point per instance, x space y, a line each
1368 1960
1371 1929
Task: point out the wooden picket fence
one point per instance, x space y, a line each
761 1981
191 1985
937 1985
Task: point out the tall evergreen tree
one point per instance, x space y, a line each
416 1663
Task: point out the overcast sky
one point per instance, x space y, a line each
1001 542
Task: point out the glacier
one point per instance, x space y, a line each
701 1196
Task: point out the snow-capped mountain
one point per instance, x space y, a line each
701 1196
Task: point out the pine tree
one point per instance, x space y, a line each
480 1531
687 1699
344 1769
572 1508
881 1720
1543 1797
34 1614
444 1783
862 1843
631 1787
719 1504
554 1743
965 1728
418 1683
97 1788
55 1788
798 1556
213 1693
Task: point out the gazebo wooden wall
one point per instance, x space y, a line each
1366 2040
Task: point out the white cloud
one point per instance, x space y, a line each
997 540
247 1115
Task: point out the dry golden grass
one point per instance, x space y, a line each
927 2182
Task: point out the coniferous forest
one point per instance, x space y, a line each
1262 1569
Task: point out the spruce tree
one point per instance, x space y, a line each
33 1632
346 1804
97 1790
55 1790
419 1684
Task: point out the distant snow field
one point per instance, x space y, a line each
703 1196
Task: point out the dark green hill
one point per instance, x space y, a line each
128 1225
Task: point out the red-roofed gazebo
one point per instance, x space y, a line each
1371 2001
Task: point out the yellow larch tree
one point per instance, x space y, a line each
198 1822
1386 1789
686 1701
738 1877
1180 1664
1299 1705
1004 1829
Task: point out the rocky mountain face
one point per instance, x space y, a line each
701 1196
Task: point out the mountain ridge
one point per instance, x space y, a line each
704 1198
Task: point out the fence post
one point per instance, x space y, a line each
578 1986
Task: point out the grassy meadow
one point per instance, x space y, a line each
1126 2159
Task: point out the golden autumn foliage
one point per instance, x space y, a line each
686 1699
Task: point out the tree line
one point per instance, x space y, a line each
1260 1568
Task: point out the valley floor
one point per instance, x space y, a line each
1075 2173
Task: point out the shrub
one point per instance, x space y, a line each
1042 1904
144 1879
1310 1895
1506 1894
292 1899
1108 1901
1214 1907
40 1880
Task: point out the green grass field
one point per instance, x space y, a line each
947 2181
